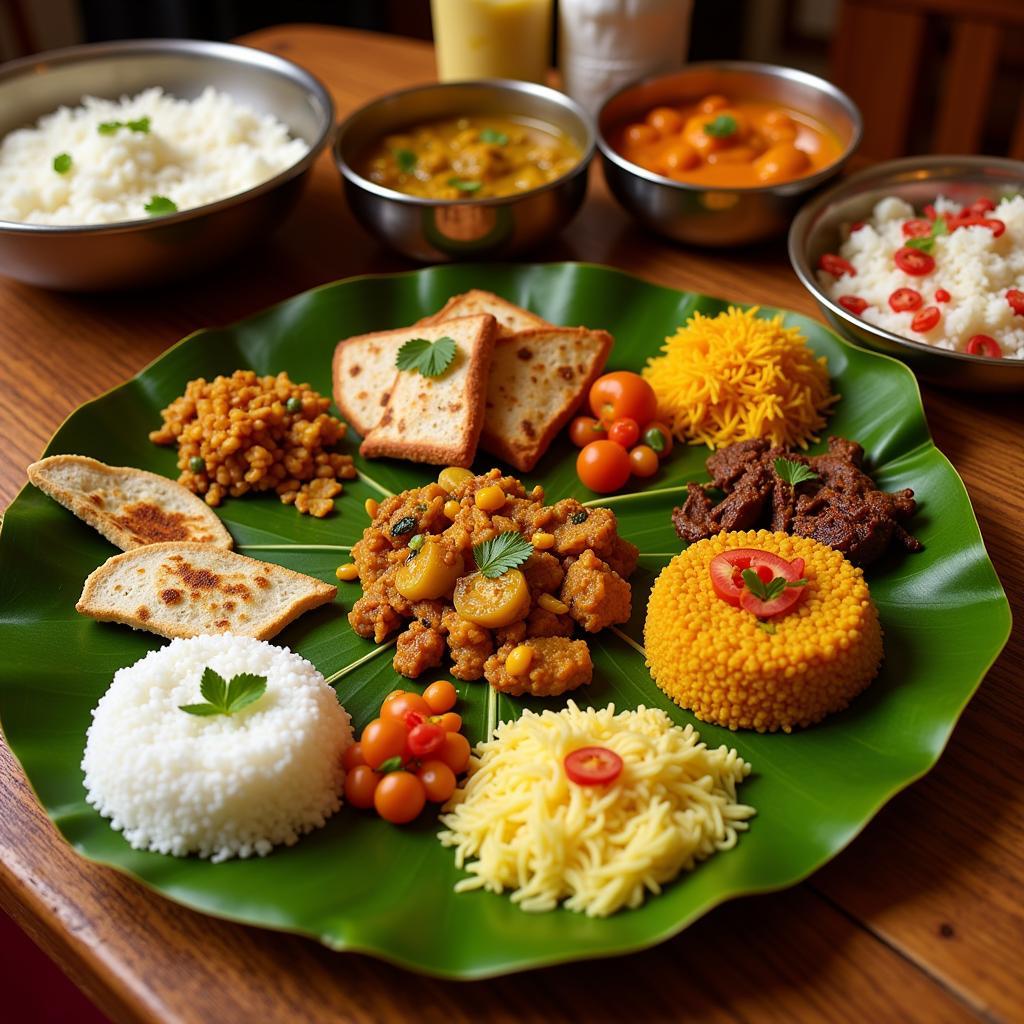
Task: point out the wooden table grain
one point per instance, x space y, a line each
920 919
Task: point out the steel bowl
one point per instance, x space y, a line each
439 230
140 252
720 217
918 180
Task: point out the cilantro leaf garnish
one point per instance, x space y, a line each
62 163
430 358
496 556
406 160
493 137
159 206
794 472
465 184
768 591
110 127
927 242
224 698
721 127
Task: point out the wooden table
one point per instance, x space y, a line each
919 920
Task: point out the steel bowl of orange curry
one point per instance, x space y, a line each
723 154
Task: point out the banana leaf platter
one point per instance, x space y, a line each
362 884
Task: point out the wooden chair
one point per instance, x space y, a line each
884 56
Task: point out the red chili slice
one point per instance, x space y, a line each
836 265
726 571
963 219
983 345
996 226
905 300
982 205
913 261
856 226
917 228
1015 297
593 766
941 295
854 303
925 319
929 211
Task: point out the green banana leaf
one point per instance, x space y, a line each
361 884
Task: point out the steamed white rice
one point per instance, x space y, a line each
975 267
219 786
196 152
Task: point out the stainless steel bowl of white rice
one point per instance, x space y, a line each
218 786
981 267
222 135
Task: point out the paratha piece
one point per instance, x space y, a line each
130 507
184 590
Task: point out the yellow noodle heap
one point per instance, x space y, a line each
599 848
735 376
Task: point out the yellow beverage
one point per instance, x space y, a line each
492 39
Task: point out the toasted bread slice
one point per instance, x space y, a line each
439 419
130 507
364 372
538 380
182 590
511 318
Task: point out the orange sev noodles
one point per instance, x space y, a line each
737 376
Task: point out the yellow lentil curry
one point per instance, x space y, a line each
471 158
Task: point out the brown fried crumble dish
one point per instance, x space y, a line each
576 575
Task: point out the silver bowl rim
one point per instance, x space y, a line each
798 185
498 85
881 172
208 48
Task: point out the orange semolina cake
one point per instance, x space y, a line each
730 668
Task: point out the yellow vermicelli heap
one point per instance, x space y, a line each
519 823
736 376
715 659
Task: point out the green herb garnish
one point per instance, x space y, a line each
493 137
495 557
768 627
403 526
655 440
392 764
721 127
465 184
406 160
927 242
416 542
197 464
294 404
429 358
160 206
768 591
110 127
794 472
224 698
62 163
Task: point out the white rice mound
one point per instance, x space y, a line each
224 785
975 267
196 152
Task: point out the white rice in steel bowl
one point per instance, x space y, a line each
222 785
976 286
104 162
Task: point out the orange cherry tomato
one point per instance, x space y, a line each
585 429
603 466
665 120
450 721
353 757
426 739
643 461
658 437
455 752
438 780
381 739
625 432
360 784
391 696
399 797
399 707
640 135
623 394
441 696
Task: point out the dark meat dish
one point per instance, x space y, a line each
839 506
